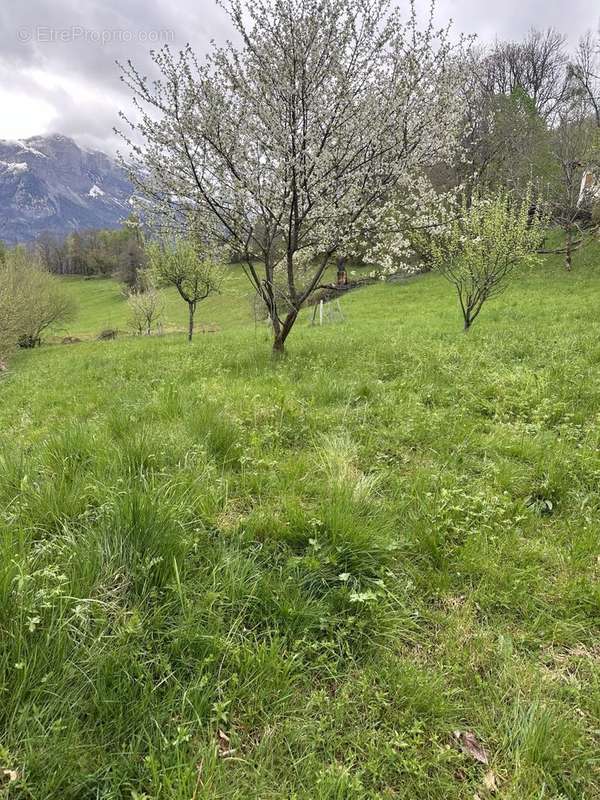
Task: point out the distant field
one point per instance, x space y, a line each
227 578
102 304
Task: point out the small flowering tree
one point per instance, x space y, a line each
481 248
190 267
285 144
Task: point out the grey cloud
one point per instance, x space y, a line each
81 41
90 115
511 18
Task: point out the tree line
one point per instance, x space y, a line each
119 253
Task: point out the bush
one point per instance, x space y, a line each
107 335
31 301
145 310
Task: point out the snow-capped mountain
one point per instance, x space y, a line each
49 183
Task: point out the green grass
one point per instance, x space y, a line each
336 560
101 303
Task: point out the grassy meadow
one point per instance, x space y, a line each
101 304
225 577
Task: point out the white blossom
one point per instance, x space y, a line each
288 146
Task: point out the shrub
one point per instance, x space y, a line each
31 301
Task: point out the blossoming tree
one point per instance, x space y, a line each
283 145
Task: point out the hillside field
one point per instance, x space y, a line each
101 304
227 577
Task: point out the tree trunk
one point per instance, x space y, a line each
342 275
278 346
569 249
192 310
281 332
468 322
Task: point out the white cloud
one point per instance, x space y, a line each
24 115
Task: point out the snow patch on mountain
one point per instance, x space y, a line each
32 150
15 166
50 184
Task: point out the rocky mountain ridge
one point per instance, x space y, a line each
51 184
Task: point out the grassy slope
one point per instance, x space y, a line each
101 304
337 560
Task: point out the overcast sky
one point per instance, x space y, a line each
57 70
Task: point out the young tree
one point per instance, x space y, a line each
146 307
283 145
480 249
190 267
47 305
